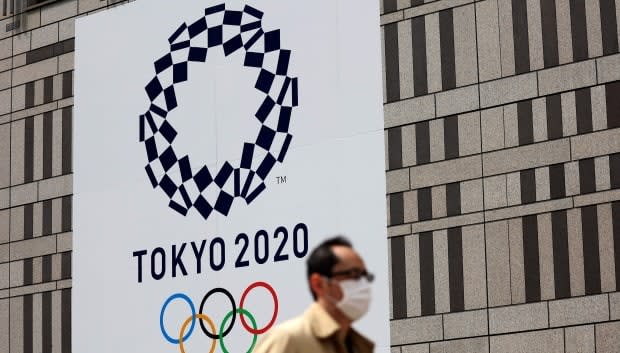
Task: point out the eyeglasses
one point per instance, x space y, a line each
353 273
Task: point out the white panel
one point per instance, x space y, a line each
442 275
405 59
337 150
412 263
506 39
433 53
534 29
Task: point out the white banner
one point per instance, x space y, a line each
216 144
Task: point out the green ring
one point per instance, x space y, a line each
240 311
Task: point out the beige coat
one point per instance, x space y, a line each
313 332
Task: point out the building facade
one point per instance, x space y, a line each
502 130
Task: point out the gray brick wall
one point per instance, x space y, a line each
502 128
502 116
36 182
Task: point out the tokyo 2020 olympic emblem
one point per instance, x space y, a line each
227 323
206 190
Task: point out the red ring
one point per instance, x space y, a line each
275 312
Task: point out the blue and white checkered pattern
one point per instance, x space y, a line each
202 189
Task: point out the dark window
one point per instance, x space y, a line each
17 7
33 4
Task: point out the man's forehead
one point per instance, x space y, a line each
347 256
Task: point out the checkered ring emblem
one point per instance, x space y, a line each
186 185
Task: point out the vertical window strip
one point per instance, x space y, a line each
609 26
65 320
67 142
453 199
66 214
525 122
65 265
521 36
591 256
612 92
48 134
561 270
29 103
422 142
397 213
554 116
587 178
28 271
395 148
46 268
48 89
29 150
557 181
67 84
392 75
531 259
583 105
425 204
28 339
455 264
389 6
615 218
579 30
427 273
47 322
614 170
418 38
549 33
399 278
446 41
528 186
451 136
47 218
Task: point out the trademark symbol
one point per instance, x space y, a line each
281 179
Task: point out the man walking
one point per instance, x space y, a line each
340 286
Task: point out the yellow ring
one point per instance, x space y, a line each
189 319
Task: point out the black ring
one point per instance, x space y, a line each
232 321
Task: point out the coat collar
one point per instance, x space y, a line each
324 326
321 323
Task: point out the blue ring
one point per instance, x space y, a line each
161 317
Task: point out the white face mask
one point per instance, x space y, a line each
356 296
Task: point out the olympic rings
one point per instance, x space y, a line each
234 311
275 310
192 318
163 309
241 312
225 327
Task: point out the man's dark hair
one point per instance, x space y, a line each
322 259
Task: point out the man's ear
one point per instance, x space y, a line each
317 284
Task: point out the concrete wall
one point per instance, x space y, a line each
36 99
502 133
502 129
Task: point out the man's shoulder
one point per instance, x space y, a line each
295 327
287 337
